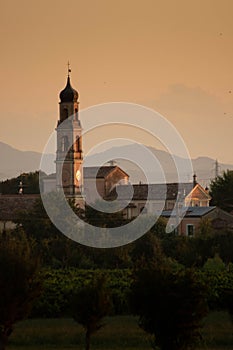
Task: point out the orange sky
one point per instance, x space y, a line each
173 56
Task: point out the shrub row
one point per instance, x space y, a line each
60 284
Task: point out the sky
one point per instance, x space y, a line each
173 56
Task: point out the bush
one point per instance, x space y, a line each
170 306
61 284
20 284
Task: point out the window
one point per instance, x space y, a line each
190 230
79 144
64 144
65 113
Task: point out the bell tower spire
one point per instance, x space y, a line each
68 69
69 142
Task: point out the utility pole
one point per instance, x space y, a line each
216 169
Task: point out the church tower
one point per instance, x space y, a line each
69 158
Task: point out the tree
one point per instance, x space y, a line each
36 222
227 297
29 182
170 306
223 240
101 218
55 249
221 191
90 305
20 284
147 250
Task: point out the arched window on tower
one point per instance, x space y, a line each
64 144
79 144
65 113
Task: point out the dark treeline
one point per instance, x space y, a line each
28 183
58 251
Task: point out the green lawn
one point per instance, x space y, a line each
120 332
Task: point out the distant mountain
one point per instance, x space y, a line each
15 162
202 166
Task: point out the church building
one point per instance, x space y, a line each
70 174
76 180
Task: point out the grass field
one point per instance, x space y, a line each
120 332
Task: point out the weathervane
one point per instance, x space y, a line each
69 70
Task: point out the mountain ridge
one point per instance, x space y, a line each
14 162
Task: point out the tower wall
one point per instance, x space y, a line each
69 158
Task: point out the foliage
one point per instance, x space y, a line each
220 285
170 306
188 251
223 241
214 264
30 184
145 249
58 251
90 305
221 190
61 284
159 228
205 228
101 218
20 284
195 251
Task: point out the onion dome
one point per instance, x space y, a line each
68 94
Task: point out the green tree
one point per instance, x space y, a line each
221 191
56 250
214 264
90 305
30 184
101 218
147 250
223 242
20 284
36 222
170 306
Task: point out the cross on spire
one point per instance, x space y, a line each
69 70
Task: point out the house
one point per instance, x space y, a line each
104 180
198 197
194 216
158 197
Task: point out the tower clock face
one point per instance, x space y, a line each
78 175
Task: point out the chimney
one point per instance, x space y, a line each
194 180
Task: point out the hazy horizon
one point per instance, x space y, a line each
174 57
